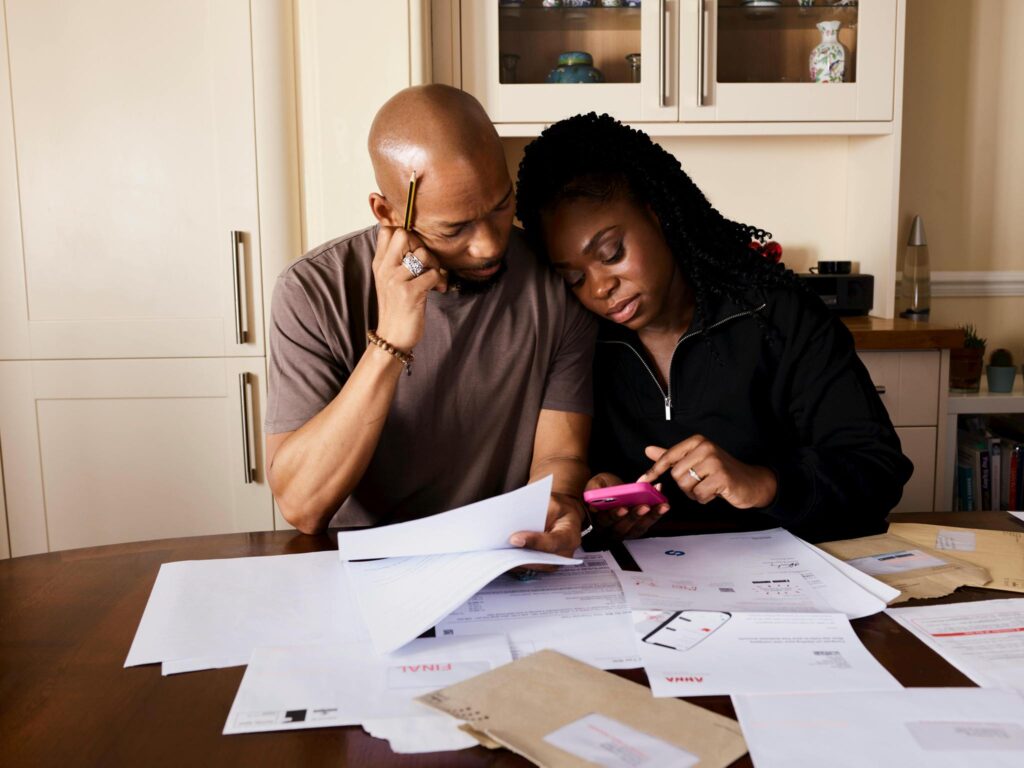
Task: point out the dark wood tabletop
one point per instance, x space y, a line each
67 620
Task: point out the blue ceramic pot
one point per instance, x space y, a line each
575 67
1000 377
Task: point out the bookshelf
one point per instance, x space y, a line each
978 403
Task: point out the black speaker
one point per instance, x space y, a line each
844 294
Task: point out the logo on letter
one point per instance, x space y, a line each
675 552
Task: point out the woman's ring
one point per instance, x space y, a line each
414 265
694 475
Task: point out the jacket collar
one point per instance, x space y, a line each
720 311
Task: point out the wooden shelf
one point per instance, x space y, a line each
983 402
900 333
539 19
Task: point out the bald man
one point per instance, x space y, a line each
412 372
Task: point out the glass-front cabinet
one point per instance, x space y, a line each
788 60
542 60
537 61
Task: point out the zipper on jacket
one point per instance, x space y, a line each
667 395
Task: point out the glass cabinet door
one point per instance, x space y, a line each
792 60
542 60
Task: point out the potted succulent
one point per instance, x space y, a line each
1000 371
965 363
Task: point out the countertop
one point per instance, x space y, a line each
900 333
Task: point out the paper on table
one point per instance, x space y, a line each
755 555
204 614
401 597
577 611
318 686
755 653
483 525
984 639
659 590
879 589
431 732
520 704
916 571
1018 515
937 727
999 552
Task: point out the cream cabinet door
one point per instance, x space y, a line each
106 451
749 62
918 446
130 125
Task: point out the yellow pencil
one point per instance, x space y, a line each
409 203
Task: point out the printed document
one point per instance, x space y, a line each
934 727
659 590
483 525
579 612
984 639
756 556
319 686
204 614
711 653
402 597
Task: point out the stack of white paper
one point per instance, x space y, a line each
433 565
937 727
204 614
578 611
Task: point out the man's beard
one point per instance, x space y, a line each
467 287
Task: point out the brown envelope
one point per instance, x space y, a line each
518 704
1001 552
918 583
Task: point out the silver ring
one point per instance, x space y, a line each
694 475
414 265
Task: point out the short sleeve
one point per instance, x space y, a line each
304 374
569 384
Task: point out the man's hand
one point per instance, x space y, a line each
401 296
705 471
561 534
624 522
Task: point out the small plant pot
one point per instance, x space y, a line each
965 366
1000 377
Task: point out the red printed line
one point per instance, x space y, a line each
979 632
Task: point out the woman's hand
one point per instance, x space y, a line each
705 471
624 522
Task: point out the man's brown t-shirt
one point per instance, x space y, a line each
461 427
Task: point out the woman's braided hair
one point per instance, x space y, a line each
597 157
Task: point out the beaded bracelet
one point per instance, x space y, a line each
405 358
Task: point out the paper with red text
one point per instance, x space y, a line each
318 686
709 653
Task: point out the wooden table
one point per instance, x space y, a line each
67 620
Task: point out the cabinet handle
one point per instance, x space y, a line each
703 19
662 54
237 263
248 470
880 389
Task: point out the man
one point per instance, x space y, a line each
498 355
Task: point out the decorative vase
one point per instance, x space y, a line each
1000 377
965 366
508 62
634 67
575 67
828 59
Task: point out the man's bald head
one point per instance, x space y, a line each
427 127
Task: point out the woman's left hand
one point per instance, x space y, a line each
704 471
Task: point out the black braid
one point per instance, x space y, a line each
598 157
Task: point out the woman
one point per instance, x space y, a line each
715 372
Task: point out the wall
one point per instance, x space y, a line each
962 156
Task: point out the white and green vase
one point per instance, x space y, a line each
828 59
